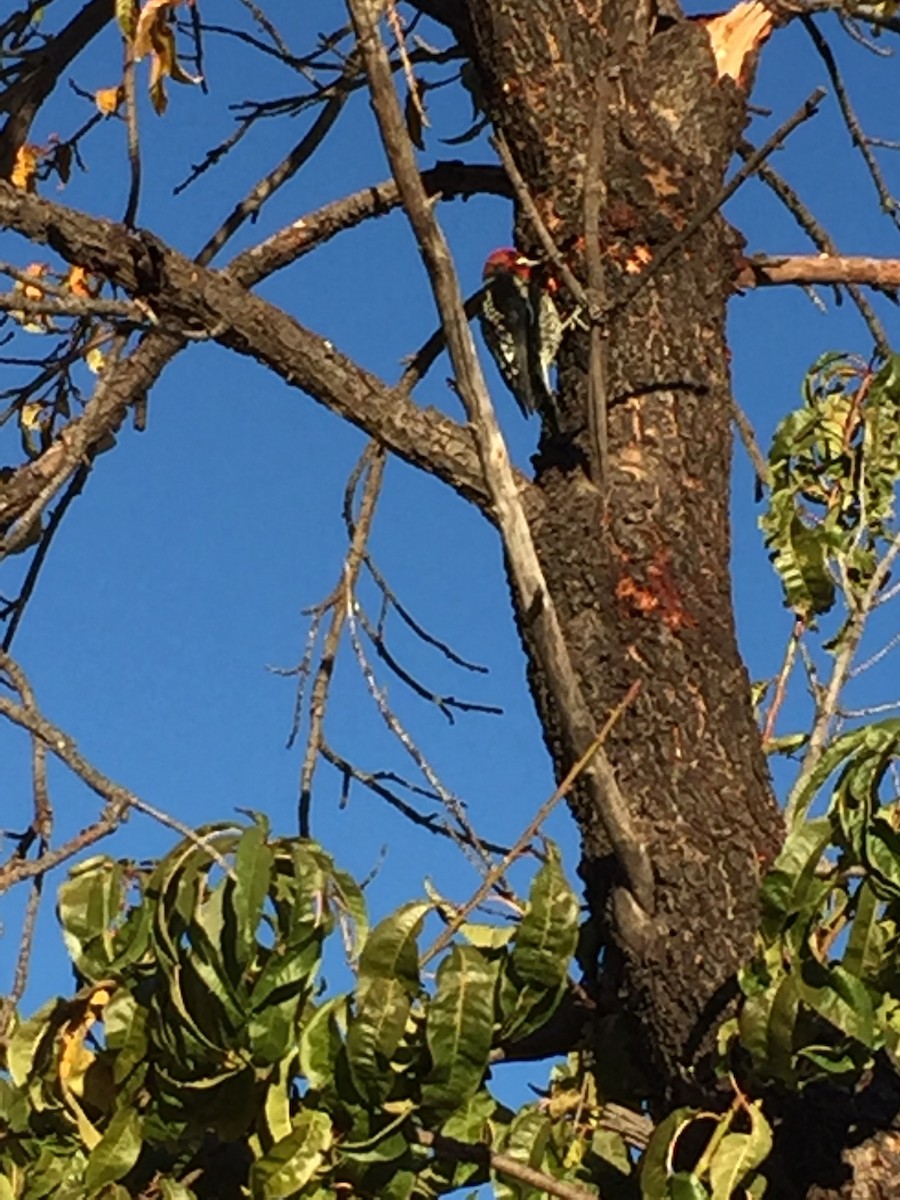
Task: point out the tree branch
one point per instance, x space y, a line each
444 180
502 1164
768 270
534 602
203 300
23 100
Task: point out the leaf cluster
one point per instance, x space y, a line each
202 1017
835 465
823 994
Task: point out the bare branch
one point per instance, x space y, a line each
23 958
249 207
808 109
888 202
218 304
769 270
16 608
375 459
444 180
502 1164
533 596
828 698
820 239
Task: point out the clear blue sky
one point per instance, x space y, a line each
181 575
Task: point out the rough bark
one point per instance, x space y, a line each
639 566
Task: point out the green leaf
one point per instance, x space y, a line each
102 934
547 935
523 1008
654 1164
374 1034
292 1162
469 1123
459 1026
685 1186
30 1042
386 1142
867 942
388 979
612 1148
791 884
349 897
125 1033
766 1023
320 1042
391 950
526 1141
876 739
277 1106
839 997
739 1154
126 13
117 1151
173 1190
252 867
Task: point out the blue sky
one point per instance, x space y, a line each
181 575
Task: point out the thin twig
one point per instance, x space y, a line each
524 197
286 169
888 202
531 830
594 201
420 363
118 798
808 109
751 445
444 703
375 457
820 238
73 306
373 781
23 958
790 657
871 661
17 606
828 700
502 1164
450 802
132 133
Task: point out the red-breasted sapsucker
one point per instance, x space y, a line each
521 327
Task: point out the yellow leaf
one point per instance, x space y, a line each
152 21
126 16
25 167
30 415
81 283
154 36
95 360
108 100
31 290
158 97
74 1057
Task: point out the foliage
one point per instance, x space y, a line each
203 1027
835 464
823 996
201 1011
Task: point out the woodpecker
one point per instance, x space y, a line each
521 327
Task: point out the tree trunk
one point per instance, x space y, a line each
639 565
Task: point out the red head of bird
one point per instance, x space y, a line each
507 260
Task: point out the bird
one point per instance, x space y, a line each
521 327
